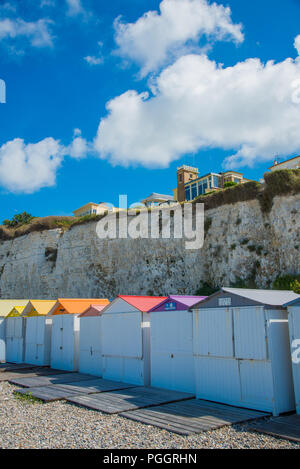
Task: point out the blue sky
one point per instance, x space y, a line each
63 61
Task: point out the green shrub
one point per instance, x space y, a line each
28 398
280 182
206 290
287 282
232 195
230 184
18 220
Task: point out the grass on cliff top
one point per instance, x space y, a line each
45 223
277 183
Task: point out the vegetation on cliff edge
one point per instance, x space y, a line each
277 183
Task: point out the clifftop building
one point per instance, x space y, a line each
190 185
292 163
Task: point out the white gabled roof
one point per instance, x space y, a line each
295 302
268 297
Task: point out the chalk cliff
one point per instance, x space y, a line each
241 242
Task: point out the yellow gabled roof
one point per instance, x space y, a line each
38 307
16 312
7 305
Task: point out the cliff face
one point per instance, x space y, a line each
241 243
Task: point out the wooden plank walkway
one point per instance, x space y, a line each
28 373
59 378
192 416
14 367
63 391
285 427
135 398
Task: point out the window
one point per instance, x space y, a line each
180 177
237 180
194 191
203 185
200 188
224 301
187 193
216 181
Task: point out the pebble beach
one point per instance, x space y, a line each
59 425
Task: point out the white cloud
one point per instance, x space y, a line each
74 7
48 3
251 109
28 168
157 35
92 60
95 59
7 7
79 147
38 33
297 44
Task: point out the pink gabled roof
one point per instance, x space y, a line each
143 303
92 310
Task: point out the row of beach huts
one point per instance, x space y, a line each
237 347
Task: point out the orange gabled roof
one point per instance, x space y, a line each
143 303
76 306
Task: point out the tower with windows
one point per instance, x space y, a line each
185 174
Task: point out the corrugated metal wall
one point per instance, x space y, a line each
15 338
2 341
65 342
38 340
294 325
171 348
236 357
90 346
122 347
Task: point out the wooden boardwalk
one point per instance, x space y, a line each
192 416
28 373
63 391
14 367
135 398
286 427
60 378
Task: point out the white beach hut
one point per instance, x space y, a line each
171 344
126 339
242 350
5 308
294 328
15 335
65 331
38 332
90 340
